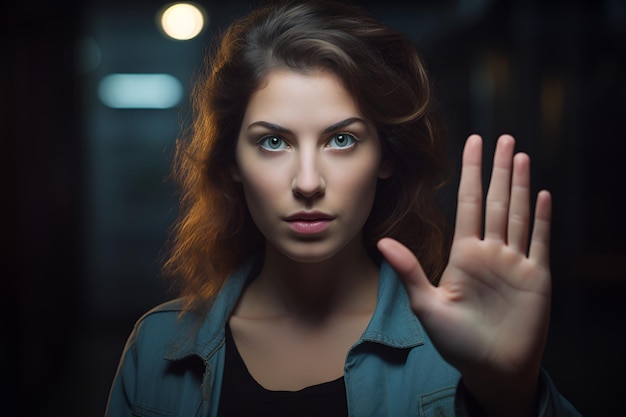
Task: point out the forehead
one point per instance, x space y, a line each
285 95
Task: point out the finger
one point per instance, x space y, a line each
540 240
519 210
497 205
408 268
470 195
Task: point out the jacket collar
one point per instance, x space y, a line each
206 334
393 324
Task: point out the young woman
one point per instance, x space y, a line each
309 243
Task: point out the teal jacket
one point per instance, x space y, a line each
172 364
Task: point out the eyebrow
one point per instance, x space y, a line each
329 129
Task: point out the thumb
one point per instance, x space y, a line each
408 268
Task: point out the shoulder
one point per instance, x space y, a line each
145 381
169 312
175 332
162 326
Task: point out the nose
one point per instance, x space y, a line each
308 181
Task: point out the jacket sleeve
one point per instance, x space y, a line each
551 402
123 389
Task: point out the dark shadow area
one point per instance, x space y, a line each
87 204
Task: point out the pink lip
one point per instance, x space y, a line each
309 222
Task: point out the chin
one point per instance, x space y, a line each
309 258
309 252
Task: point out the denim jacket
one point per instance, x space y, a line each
172 364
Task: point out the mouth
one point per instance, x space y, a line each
309 222
309 216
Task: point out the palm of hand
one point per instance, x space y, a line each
490 311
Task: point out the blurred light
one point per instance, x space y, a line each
140 91
182 21
553 98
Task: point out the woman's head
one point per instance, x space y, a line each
308 162
378 67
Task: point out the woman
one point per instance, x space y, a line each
314 152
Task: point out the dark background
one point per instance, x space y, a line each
86 204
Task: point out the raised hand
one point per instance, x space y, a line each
489 315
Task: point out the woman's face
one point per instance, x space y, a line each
308 162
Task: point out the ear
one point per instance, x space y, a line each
234 173
385 170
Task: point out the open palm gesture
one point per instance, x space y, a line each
489 315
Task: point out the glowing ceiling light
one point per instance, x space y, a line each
182 21
140 91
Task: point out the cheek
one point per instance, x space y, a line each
263 185
357 185
258 187
255 176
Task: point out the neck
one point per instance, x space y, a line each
345 284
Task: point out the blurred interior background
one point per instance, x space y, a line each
87 203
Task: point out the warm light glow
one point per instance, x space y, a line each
140 91
182 21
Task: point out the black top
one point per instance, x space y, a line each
242 396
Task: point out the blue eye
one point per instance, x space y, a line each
342 140
272 143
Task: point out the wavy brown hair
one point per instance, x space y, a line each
384 73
